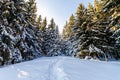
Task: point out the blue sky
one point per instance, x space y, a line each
60 10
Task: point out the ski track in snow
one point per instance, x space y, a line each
56 71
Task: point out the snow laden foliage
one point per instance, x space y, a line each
6 44
52 40
29 44
56 48
67 48
93 30
18 39
113 6
116 35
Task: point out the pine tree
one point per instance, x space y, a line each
44 24
6 37
56 46
32 47
80 15
38 22
64 33
78 29
50 37
99 15
96 39
70 25
114 8
67 31
31 9
52 24
91 10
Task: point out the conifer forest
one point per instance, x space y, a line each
91 32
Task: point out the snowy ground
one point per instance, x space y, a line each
61 68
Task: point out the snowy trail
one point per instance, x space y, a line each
61 68
57 71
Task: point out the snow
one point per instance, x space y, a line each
58 71
22 74
116 33
61 68
92 48
7 34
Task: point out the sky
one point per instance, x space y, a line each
60 10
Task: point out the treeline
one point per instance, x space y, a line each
23 34
94 32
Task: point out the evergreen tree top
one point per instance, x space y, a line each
44 24
52 24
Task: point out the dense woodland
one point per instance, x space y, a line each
92 32
95 31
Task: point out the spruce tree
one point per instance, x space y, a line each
31 9
67 31
70 25
52 24
50 37
91 9
44 24
79 28
64 33
114 8
56 49
80 15
38 22
7 39
96 40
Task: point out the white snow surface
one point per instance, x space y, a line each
61 68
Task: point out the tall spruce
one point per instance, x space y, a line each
31 9
64 32
50 37
44 24
38 22
92 32
114 9
67 31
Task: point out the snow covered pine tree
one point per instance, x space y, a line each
18 40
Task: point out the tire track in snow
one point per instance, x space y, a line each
56 71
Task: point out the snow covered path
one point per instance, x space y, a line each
61 68
57 71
